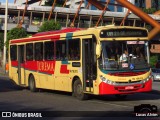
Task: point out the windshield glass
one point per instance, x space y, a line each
123 55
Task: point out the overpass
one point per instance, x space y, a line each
35 15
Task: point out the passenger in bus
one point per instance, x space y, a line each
39 56
124 56
139 52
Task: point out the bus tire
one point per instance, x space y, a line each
32 84
119 96
78 91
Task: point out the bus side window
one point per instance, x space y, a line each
13 52
38 51
29 52
49 50
74 49
61 50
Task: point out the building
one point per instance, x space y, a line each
30 2
112 7
74 4
148 4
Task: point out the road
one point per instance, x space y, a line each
13 98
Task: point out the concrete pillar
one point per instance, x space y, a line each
18 16
79 21
67 20
55 17
90 22
134 23
115 7
30 21
148 4
113 20
43 17
102 22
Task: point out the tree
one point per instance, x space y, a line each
149 10
1 41
15 33
49 25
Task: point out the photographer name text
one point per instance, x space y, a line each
146 114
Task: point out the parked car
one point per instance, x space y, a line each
156 71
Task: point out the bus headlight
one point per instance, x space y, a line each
105 80
147 79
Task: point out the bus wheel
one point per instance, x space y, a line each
78 91
119 96
32 85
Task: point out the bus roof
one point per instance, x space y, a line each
55 35
66 30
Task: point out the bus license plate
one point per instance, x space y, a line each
129 88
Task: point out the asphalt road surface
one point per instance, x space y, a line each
61 104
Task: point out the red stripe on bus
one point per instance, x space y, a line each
39 66
57 37
58 31
14 63
64 69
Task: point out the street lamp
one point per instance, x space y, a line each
5 34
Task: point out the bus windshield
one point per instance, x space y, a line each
117 55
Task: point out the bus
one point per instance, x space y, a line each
83 61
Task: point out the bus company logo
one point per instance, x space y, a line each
46 66
21 114
6 114
146 110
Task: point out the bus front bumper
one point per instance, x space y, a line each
105 89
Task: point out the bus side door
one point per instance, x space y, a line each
21 67
89 63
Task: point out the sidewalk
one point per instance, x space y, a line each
3 72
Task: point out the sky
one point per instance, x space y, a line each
9 1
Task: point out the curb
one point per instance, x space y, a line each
4 74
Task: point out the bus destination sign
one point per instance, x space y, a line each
123 33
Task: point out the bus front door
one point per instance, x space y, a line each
89 63
21 71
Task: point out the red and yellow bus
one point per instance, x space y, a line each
83 61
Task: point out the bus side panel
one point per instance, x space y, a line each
61 76
65 73
43 73
13 69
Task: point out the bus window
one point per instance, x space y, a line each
13 52
38 51
61 50
74 49
49 50
29 51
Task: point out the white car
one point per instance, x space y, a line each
156 72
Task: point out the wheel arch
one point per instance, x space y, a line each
29 77
74 79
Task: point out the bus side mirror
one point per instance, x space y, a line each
98 50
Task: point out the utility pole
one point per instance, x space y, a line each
5 34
